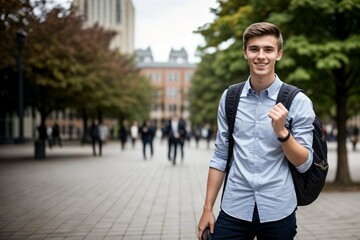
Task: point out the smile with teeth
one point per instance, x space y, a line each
260 64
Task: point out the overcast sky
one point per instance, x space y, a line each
166 24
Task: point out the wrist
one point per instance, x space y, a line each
284 138
207 208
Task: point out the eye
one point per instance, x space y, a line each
253 49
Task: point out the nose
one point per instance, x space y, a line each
261 53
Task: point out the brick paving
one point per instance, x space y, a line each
72 195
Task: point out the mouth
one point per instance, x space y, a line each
260 64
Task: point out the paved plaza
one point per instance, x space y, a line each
72 195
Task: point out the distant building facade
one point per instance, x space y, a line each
117 15
172 81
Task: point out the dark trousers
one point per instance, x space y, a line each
227 227
172 151
94 142
150 143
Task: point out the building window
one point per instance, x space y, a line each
118 11
172 108
173 77
99 13
158 94
158 107
155 77
94 9
104 13
188 76
86 9
172 93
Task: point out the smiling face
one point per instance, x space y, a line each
262 53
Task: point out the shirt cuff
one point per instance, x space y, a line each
306 165
218 164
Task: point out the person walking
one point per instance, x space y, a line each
56 139
123 135
147 136
174 130
259 199
354 137
95 138
103 134
183 136
49 135
134 133
197 135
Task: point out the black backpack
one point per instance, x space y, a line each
308 185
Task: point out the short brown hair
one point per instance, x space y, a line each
262 29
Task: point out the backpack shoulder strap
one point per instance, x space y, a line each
287 94
231 105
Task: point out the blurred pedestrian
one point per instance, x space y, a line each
95 138
134 133
49 135
183 135
147 136
175 130
56 135
103 133
354 137
197 135
209 136
123 135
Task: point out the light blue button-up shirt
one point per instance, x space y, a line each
259 174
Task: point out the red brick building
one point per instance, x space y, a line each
172 80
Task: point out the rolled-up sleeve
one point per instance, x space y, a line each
219 158
302 129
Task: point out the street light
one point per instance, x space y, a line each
20 39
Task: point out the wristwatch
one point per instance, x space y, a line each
285 138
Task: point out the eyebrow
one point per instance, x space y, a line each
257 46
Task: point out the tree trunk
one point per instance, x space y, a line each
85 136
40 143
342 171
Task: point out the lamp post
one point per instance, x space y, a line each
20 39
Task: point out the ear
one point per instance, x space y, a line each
245 55
279 55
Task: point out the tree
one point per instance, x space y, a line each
321 48
13 15
77 69
68 66
205 89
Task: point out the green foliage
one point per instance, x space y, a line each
321 41
321 54
204 95
68 66
12 17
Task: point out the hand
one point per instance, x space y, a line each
278 116
207 219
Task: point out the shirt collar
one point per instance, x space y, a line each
272 90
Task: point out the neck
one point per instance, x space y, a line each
259 83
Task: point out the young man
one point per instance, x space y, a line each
259 199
